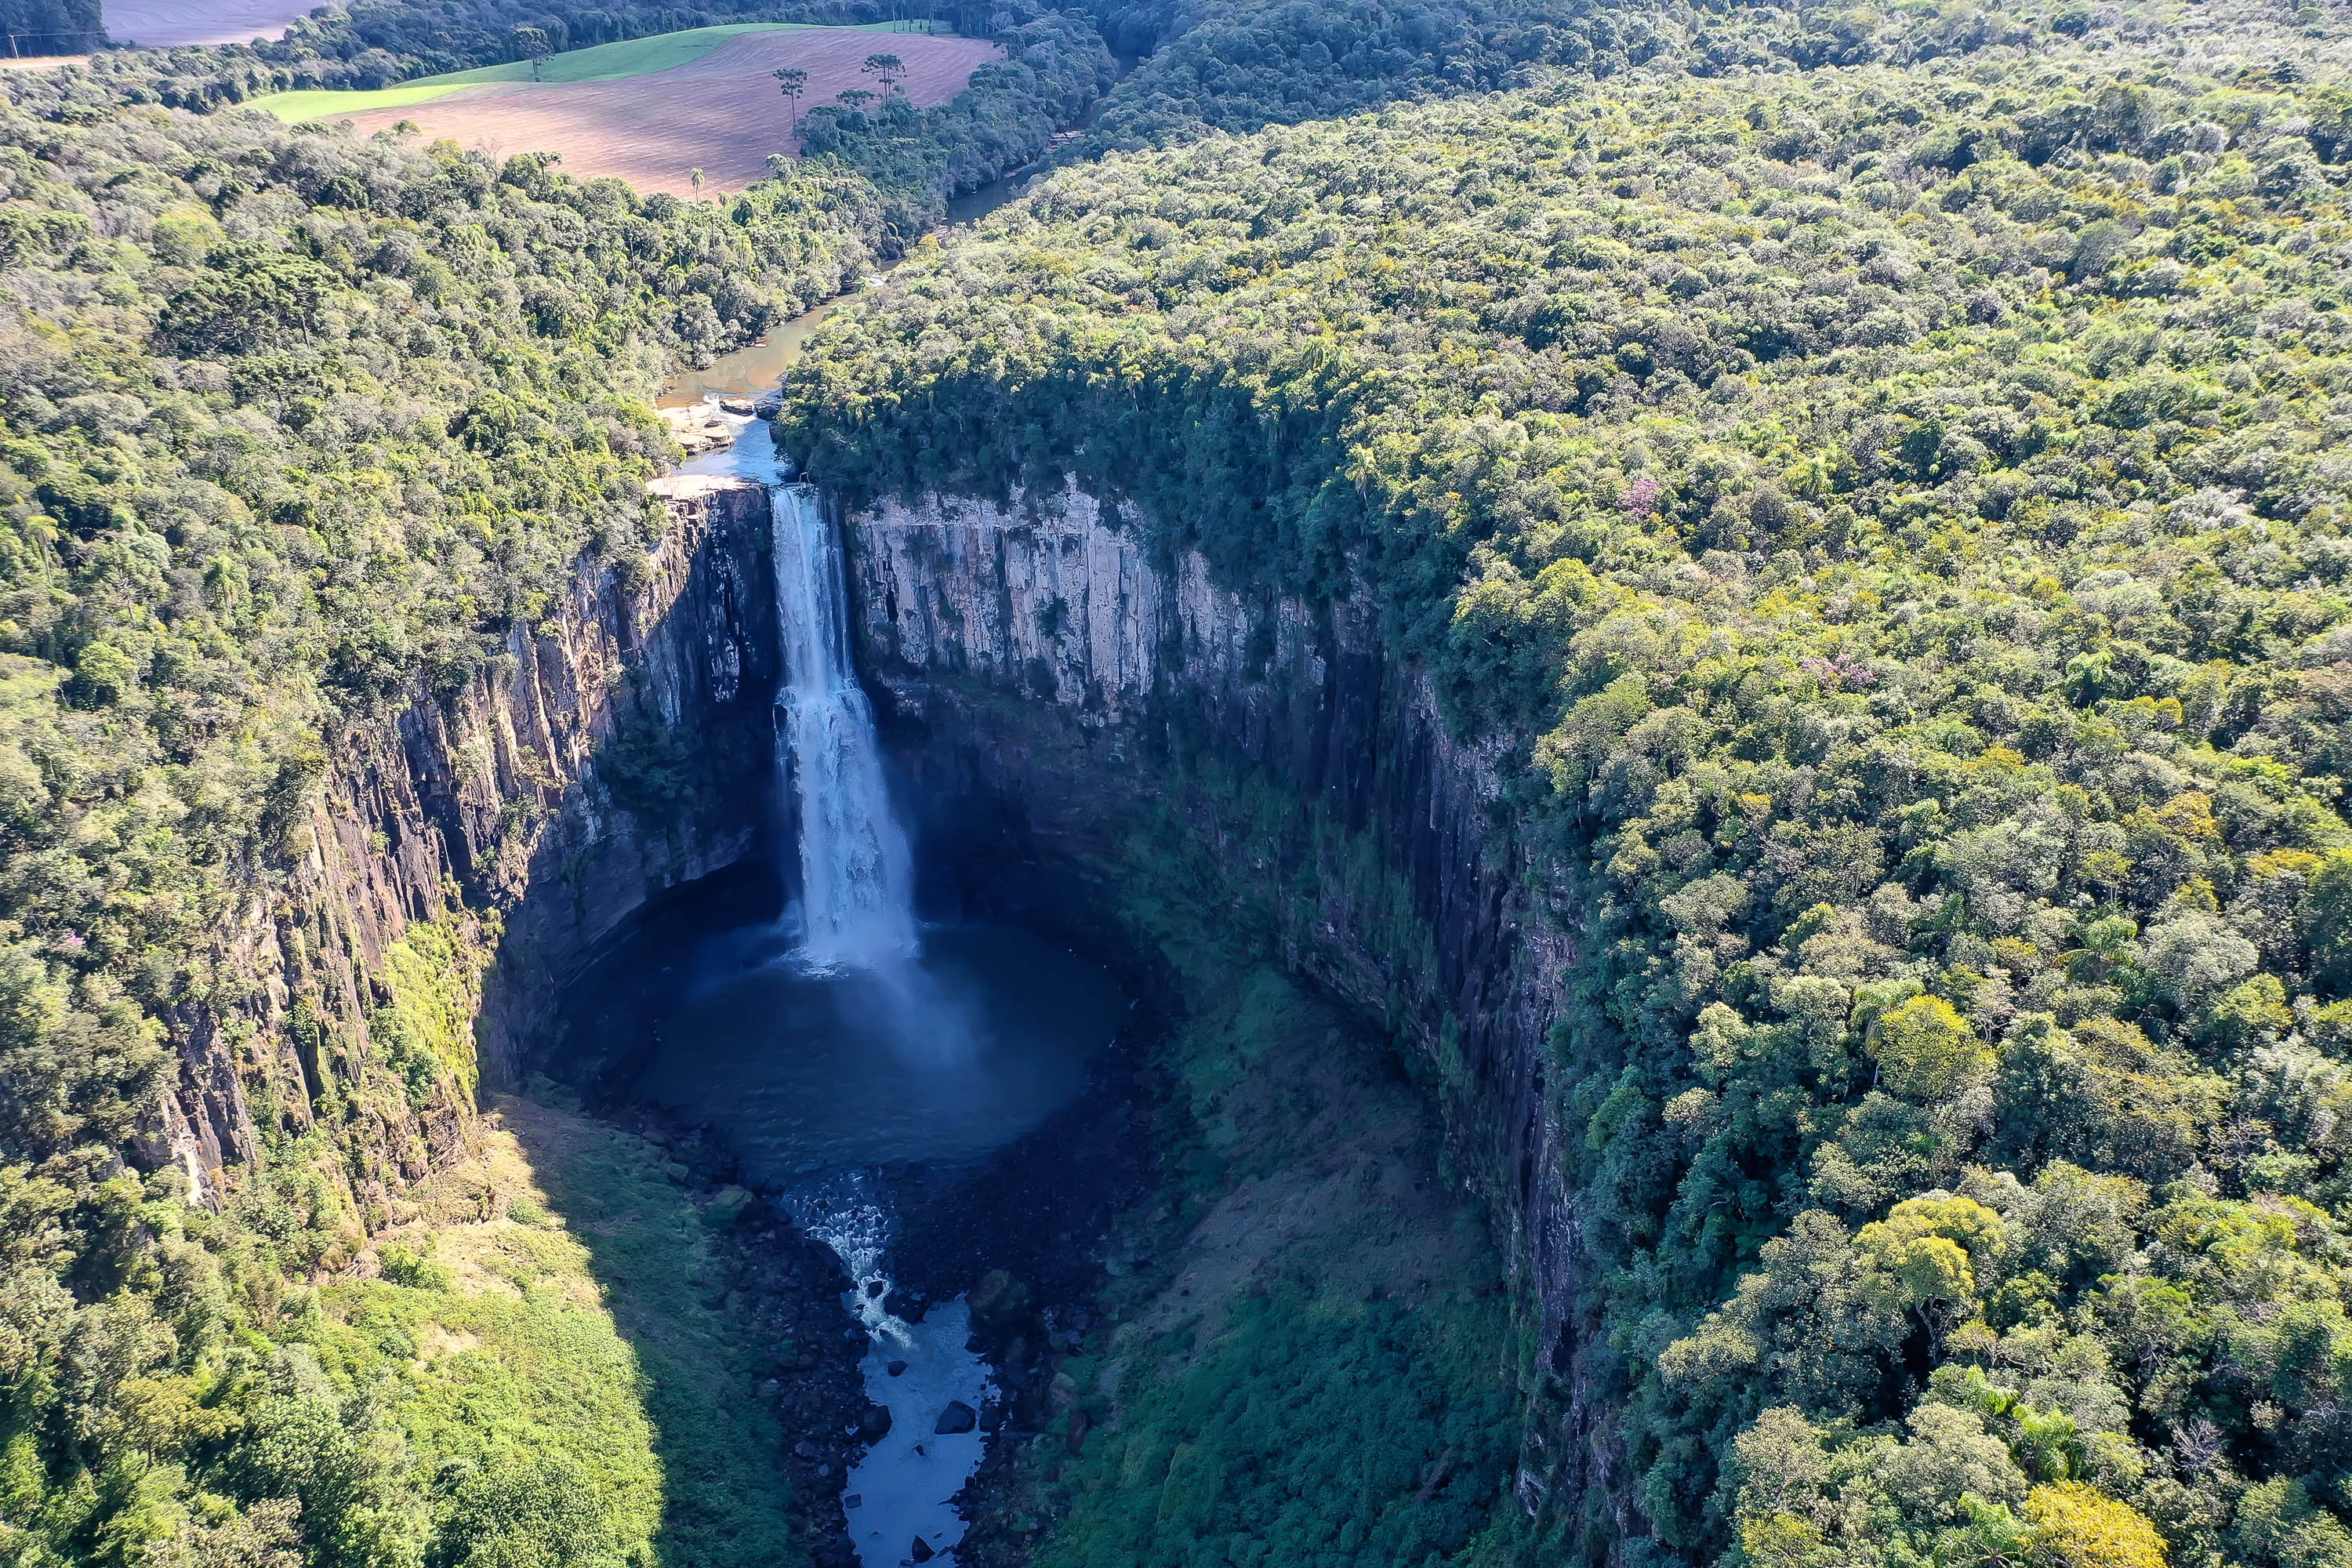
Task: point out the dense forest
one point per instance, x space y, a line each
292 422
1240 64
49 26
1894 522
371 43
1876 477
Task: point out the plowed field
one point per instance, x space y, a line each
721 113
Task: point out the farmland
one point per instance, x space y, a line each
653 108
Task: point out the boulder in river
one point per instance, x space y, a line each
957 1417
998 1301
922 1550
875 1425
896 1369
907 1306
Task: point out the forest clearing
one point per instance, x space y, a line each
720 110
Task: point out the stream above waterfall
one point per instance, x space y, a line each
755 368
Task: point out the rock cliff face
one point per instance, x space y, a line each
621 748
1040 659
1038 654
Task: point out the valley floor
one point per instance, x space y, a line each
575 1294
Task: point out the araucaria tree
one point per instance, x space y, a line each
793 81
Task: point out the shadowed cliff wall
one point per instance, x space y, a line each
620 748
1039 658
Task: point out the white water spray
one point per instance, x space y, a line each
856 875
903 1489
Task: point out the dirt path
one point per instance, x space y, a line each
723 114
160 24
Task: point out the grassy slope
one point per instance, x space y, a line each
602 62
1324 1375
543 1320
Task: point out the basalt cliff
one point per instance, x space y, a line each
616 749
1049 674
1046 676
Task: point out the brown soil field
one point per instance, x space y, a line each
160 24
720 113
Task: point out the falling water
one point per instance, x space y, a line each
858 936
856 876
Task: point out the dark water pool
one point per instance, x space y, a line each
819 1084
974 1043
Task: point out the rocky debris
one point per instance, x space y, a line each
782 1290
705 427
957 1417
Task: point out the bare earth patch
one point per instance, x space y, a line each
723 114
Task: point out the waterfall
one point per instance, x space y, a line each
856 875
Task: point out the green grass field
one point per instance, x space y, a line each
601 62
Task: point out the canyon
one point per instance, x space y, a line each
1047 682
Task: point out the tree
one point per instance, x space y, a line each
694 177
531 44
1933 1248
2327 923
855 97
2083 1529
791 82
888 68
1926 1050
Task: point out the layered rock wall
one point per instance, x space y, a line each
1055 603
619 749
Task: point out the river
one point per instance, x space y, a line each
755 368
845 1037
